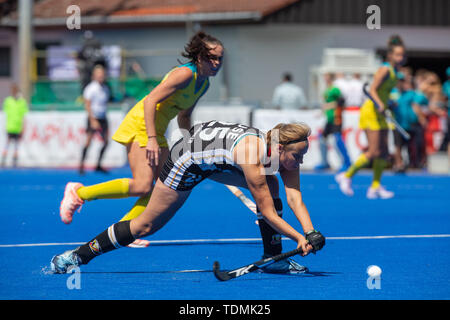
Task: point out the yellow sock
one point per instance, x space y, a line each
137 209
114 189
378 166
360 163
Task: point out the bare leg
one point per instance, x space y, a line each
373 141
143 174
163 205
5 152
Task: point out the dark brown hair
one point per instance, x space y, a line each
197 47
395 41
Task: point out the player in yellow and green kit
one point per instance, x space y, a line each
373 122
142 131
14 107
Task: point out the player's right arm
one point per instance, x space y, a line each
257 184
378 79
178 79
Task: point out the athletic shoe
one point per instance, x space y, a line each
62 263
139 243
101 169
345 184
379 193
285 266
71 202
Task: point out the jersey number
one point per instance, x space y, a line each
208 134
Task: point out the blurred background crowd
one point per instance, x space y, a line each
279 55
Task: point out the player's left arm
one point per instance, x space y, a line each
291 180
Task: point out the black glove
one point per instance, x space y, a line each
315 239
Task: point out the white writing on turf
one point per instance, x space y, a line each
374 283
74 281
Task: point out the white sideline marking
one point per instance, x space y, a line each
232 240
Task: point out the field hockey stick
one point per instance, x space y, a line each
387 114
238 193
227 275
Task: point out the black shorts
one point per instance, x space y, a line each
181 172
331 128
399 140
103 127
182 176
14 136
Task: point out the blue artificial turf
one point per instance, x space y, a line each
413 268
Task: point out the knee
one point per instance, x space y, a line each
141 187
373 154
143 230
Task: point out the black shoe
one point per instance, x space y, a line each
101 169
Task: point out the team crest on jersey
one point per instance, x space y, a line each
95 247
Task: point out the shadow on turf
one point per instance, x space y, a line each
321 273
307 274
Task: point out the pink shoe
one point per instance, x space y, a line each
379 193
139 243
345 184
71 202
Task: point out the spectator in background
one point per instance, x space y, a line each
288 96
420 107
96 96
439 105
428 103
419 77
446 91
89 56
446 87
344 85
404 114
333 107
408 74
14 107
355 95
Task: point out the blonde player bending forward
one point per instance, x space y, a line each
232 154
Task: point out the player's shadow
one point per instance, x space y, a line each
306 274
262 276
145 272
320 273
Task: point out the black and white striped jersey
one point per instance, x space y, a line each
206 150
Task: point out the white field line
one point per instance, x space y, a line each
231 240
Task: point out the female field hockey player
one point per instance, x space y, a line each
228 153
373 122
142 130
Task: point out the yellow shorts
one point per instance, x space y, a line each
370 118
133 128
